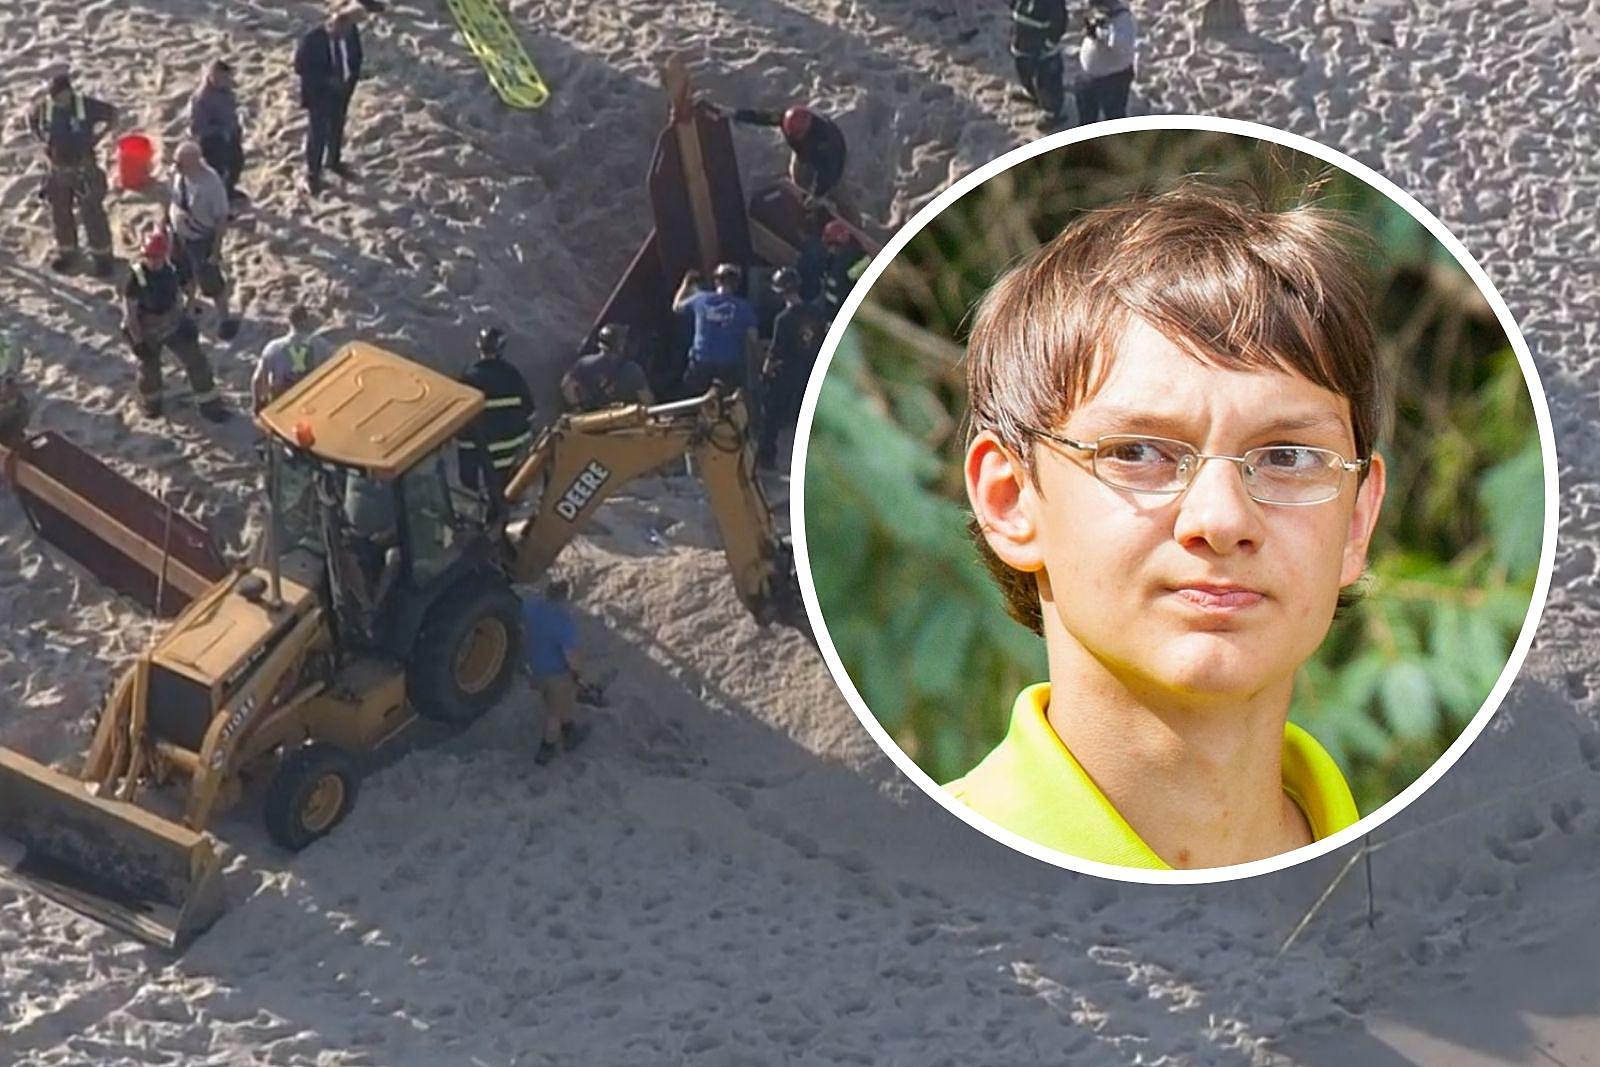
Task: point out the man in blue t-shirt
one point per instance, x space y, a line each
725 343
550 645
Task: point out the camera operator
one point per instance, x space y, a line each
1107 52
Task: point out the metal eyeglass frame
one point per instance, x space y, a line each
1094 447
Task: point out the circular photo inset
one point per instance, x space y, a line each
1178 501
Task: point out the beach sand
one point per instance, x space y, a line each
730 872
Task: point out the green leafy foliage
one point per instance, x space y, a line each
922 629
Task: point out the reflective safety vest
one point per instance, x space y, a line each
47 110
837 283
299 360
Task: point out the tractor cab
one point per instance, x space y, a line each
367 500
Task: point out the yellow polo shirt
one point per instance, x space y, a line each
1031 785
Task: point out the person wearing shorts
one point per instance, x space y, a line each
550 640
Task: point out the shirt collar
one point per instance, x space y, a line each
1032 785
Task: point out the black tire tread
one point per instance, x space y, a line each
430 680
297 771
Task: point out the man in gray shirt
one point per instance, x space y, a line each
287 359
214 124
198 217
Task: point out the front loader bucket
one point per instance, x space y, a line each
107 859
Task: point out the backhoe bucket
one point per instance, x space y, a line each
107 859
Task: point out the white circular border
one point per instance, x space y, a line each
1206 875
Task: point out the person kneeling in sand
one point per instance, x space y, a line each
550 645
1174 405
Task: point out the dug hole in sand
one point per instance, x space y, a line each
729 872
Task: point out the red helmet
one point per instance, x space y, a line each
156 245
837 232
796 122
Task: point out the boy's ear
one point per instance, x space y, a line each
1002 499
1363 520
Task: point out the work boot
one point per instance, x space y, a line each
104 264
150 407
343 170
63 262
229 329
215 411
314 184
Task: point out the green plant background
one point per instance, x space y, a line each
923 632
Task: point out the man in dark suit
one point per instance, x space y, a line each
328 61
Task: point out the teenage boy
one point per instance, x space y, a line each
1174 409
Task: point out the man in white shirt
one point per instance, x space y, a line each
1107 55
197 215
288 359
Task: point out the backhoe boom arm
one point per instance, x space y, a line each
583 459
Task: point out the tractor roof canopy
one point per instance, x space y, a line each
372 409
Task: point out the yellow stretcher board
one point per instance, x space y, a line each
498 49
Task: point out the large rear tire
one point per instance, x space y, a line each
313 791
466 653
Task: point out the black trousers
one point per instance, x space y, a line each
475 471
225 155
780 412
1105 97
1041 76
325 133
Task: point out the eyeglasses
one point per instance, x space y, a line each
1273 474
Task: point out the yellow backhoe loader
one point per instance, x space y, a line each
382 591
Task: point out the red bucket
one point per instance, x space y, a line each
136 156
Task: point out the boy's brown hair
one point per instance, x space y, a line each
1234 281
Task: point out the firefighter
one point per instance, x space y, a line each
797 335
70 125
1037 27
606 376
843 263
155 318
505 427
816 145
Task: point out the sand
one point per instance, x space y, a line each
730 872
